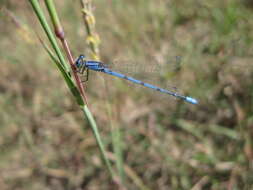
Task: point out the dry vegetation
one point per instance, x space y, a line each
166 144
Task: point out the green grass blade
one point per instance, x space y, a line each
221 130
37 9
54 18
93 42
67 78
117 148
98 138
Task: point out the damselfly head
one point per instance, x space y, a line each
82 57
80 60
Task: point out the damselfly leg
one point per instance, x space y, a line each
81 68
86 75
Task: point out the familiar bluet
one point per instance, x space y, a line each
82 65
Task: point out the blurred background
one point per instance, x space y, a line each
45 143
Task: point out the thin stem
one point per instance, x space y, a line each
89 22
59 32
44 24
71 61
93 42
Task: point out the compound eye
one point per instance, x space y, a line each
82 56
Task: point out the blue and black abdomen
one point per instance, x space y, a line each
82 64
